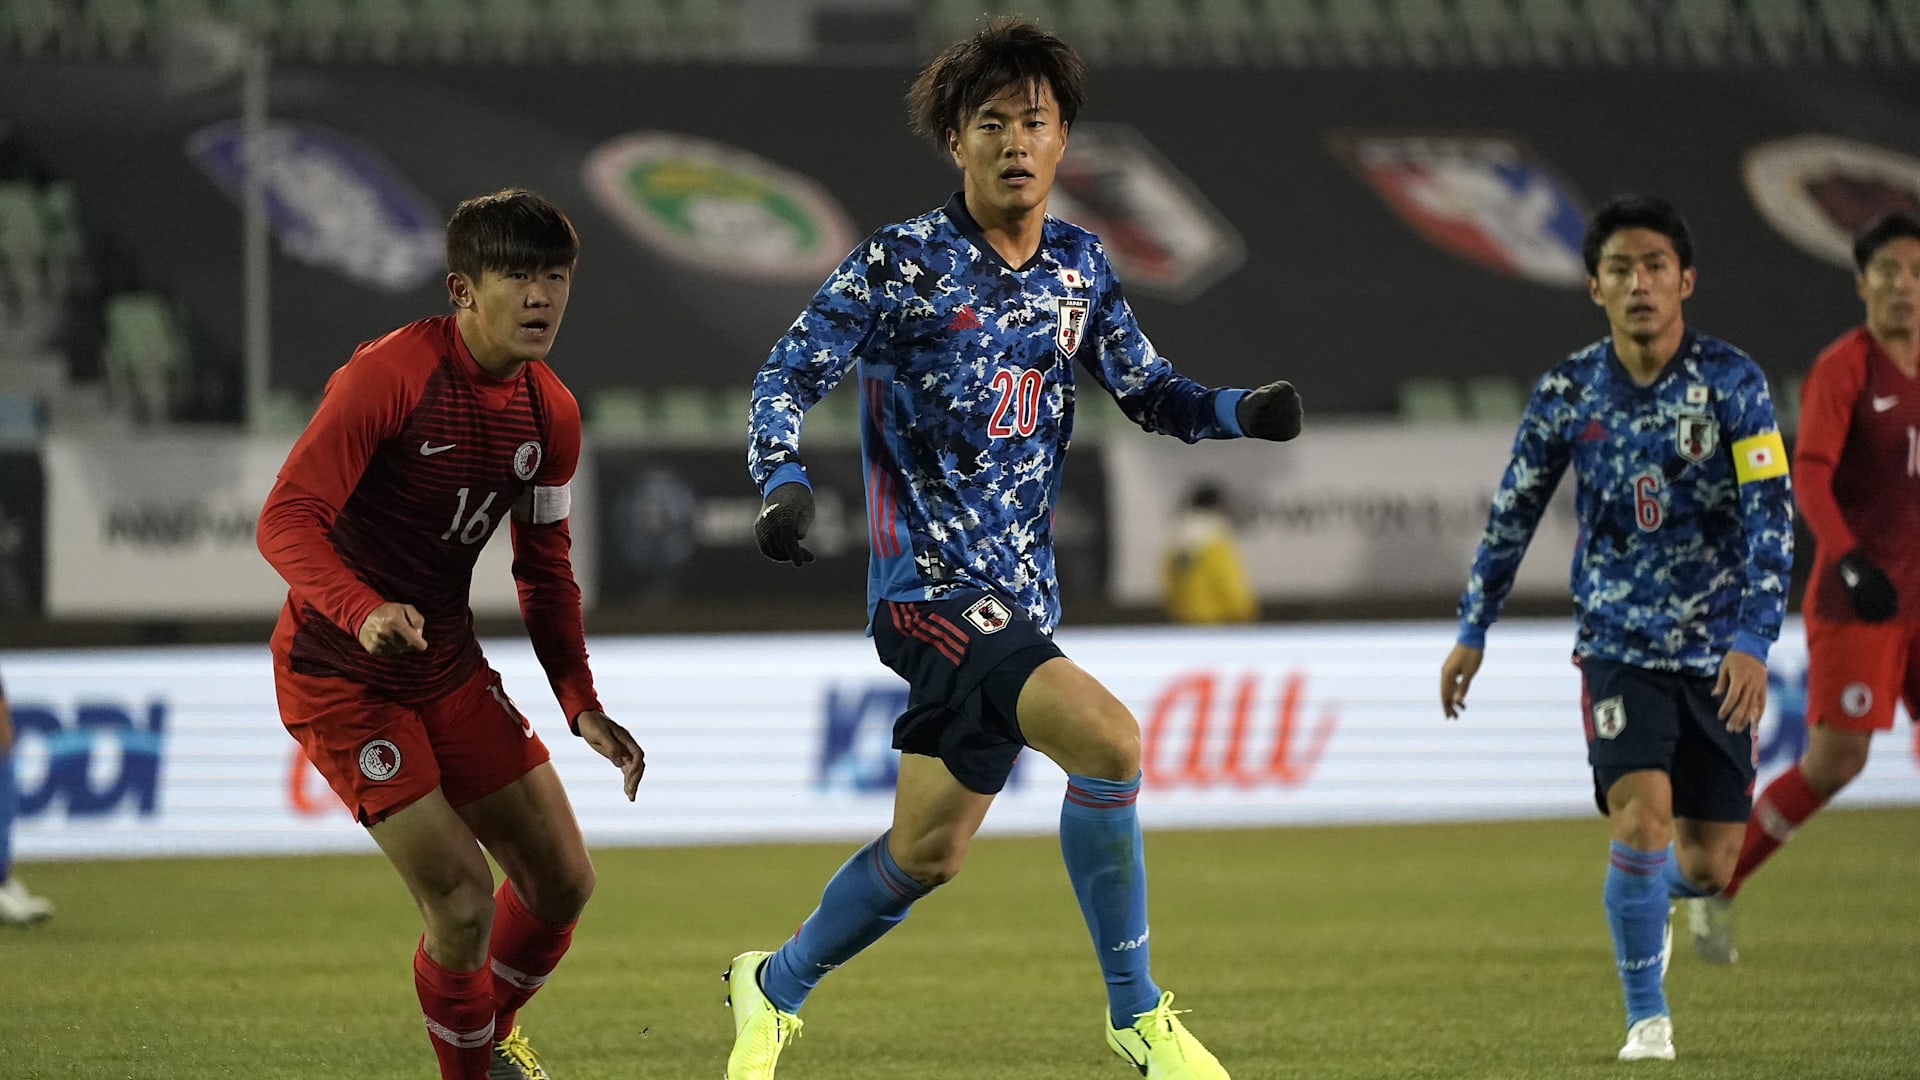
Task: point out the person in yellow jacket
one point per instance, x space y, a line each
1202 577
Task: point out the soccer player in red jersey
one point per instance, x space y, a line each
424 442
1857 461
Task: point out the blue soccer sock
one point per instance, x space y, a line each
1679 886
9 803
866 897
1100 841
1636 899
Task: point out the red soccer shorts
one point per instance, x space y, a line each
1856 671
380 756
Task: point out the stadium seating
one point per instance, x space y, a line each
31 27
1414 33
311 29
1495 399
1430 401
145 355
116 27
1292 31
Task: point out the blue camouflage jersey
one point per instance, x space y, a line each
1686 531
966 382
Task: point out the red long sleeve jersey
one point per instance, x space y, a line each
413 459
1856 467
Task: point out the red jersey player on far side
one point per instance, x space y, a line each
1857 463
423 444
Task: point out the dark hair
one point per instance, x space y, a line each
1876 235
512 229
970 73
1636 212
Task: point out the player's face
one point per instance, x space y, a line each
1641 284
511 316
1008 149
1890 285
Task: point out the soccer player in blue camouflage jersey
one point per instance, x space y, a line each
1679 581
960 330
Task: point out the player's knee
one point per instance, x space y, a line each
1642 828
459 918
1115 752
1847 764
1833 764
564 897
1120 760
1715 879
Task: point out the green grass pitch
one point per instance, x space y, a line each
1472 951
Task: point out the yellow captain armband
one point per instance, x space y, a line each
1760 457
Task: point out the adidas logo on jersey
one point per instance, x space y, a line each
964 319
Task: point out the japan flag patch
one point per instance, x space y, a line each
1071 323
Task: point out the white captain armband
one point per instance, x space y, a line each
540 505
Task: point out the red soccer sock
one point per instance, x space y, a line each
526 949
458 1006
1783 807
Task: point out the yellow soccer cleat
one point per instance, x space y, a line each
1162 1048
760 1031
514 1059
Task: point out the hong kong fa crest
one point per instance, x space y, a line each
1071 324
1695 436
526 460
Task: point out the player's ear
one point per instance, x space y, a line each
1687 277
1593 290
953 148
459 290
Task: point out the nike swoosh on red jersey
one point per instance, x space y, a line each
1882 404
427 449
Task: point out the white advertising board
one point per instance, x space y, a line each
1358 510
751 738
164 527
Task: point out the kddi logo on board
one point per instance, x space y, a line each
719 207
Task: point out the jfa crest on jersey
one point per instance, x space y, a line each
966 382
1683 500
1071 312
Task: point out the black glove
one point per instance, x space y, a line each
1873 596
783 523
1271 412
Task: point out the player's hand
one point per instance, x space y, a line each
1271 412
1456 674
1742 689
393 628
613 742
1869 591
783 523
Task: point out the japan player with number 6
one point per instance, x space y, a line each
1679 581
